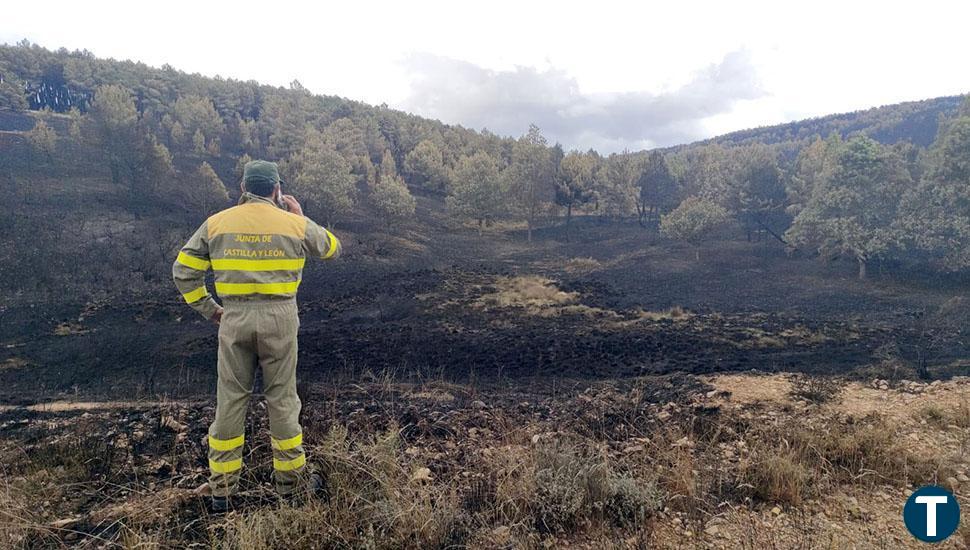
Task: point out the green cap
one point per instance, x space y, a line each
261 171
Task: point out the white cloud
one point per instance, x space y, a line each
608 74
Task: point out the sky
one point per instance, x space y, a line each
600 74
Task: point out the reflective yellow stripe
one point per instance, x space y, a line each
258 265
225 467
195 295
192 261
229 289
226 444
334 243
287 465
287 444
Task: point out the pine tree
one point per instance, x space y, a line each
854 212
425 167
389 194
43 140
531 176
206 190
113 117
574 180
692 221
478 190
935 216
323 177
658 188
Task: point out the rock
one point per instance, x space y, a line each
663 415
712 530
501 533
172 424
711 394
421 474
776 511
478 405
962 478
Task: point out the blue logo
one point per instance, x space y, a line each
931 514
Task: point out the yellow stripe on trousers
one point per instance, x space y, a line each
287 444
193 262
258 265
226 444
230 289
288 465
225 467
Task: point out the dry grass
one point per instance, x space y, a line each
793 461
530 292
582 265
675 313
374 502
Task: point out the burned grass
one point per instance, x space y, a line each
620 464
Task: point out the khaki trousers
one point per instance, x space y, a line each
255 332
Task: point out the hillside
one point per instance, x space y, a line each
758 341
914 121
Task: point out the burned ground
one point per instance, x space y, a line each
604 390
421 312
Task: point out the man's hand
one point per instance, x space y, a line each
217 316
292 205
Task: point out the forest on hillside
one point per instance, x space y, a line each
889 185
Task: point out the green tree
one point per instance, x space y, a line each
206 190
935 216
758 192
389 194
478 190
74 129
323 177
531 176
614 182
854 212
113 117
692 221
43 140
11 94
194 117
425 167
237 172
574 180
814 165
657 186
147 169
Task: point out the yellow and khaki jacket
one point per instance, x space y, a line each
255 249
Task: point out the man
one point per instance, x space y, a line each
257 251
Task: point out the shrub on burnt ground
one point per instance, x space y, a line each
791 461
559 487
575 485
817 390
374 501
958 416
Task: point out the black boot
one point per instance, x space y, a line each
219 505
315 489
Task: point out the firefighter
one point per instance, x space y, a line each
256 251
